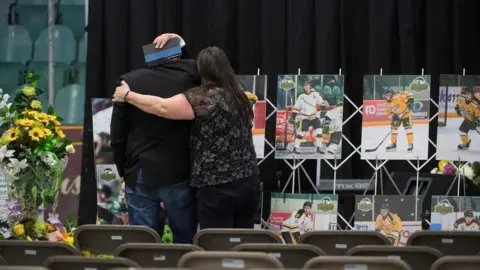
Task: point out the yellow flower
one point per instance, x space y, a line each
13 134
36 134
47 132
19 230
86 253
36 104
29 239
30 113
25 122
68 240
52 117
60 133
251 96
70 149
43 117
55 122
4 140
442 164
28 91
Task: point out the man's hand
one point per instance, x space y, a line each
120 92
457 110
161 40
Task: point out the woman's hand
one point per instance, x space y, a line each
161 40
120 92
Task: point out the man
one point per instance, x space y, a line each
389 224
467 223
399 108
305 111
152 154
468 107
300 221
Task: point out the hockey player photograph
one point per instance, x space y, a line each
309 116
451 213
458 136
393 216
396 113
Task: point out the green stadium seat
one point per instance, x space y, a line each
72 14
70 104
318 88
336 90
15 52
327 90
82 60
33 14
63 56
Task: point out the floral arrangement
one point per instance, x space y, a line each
33 155
471 171
251 97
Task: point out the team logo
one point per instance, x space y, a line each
444 207
360 227
287 83
325 205
419 85
108 174
365 205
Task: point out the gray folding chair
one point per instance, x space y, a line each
105 239
420 258
457 263
447 242
291 256
2 261
18 252
82 263
19 267
344 262
208 260
339 242
154 255
226 239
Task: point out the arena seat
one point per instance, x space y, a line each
72 14
337 92
18 252
64 52
70 104
447 242
291 256
338 242
457 262
33 14
226 239
105 239
343 263
155 255
19 267
420 258
82 60
15 52
82 263
2 261
228 260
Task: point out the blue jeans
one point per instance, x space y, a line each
180 206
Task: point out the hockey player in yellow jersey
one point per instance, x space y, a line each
389 224
398 108
468 107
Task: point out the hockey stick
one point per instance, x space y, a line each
376 148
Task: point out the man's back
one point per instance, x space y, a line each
158 146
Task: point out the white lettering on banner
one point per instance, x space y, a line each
451 99
71 187
4 212
371 109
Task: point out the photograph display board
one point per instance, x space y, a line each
396 113
309 117
455 213
292 215
458 136
391 215
257 84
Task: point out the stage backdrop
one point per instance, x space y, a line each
455 213
291 215
449 121
377 134
316 131
392 216
257 84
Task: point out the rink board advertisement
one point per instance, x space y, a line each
455 213
393 216
309 117
257 84
292 215
450 142
396 113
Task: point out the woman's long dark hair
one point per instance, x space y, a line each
215 70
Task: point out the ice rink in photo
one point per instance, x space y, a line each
448 140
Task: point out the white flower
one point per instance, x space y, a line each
4 102
70 149
17 166
47 158
5 153
434 171
468 172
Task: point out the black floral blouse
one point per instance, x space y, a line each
222 147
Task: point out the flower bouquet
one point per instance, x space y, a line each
33 154
471 171
251 97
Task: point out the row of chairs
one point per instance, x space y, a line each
18 54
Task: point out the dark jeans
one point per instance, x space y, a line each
230 205
179 201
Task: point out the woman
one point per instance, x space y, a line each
224 164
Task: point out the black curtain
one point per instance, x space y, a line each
280 36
